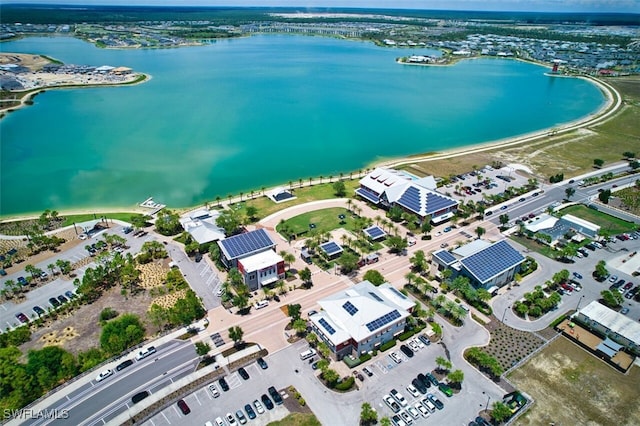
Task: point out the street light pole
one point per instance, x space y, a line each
504 313
579 300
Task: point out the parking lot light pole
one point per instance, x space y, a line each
488 399
504 313
579 300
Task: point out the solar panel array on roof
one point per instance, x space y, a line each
383 320
323 322
348 306
374 232
331 248
445 256
437 202
246 243
491 261
410 199
368 195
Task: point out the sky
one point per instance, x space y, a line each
615 6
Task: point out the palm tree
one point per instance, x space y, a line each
235 334
321 178
218 200
241 194
480 231
349 204
410 277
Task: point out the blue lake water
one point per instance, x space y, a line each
239 115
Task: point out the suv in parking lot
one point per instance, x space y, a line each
275 395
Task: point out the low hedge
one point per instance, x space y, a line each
345 384
391 343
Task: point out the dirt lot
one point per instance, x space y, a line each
81 329
572 387
33 62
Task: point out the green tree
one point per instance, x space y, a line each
397 243
598 162
300 326
500 412
121 333
611 298
480 231
385 421
443 363
202 348
235 334
157 315
241 301
323 364
628 155
293 310
331 376
601 271
418 261
455 378
251 212
229 220
368 415
339 189
569 192
305 276
374 277
348 262
504 219
168 223
604 196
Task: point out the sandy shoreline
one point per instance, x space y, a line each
612 104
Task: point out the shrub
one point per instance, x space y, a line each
345 384
107 314
385 346
365 358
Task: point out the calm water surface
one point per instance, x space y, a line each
241 114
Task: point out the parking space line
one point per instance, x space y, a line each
195 395
165 416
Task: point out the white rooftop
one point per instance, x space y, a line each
471 248
544 221
380 179
614 321
581 222
260 261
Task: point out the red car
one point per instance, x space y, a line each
628 285
22 317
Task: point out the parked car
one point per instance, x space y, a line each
139 396
432 379
275 395
103 375
230 419
445 389
367 371
428 404
267 402
434 399
424 380
414 412
393 405
398 397
243 373
54 302
421 409
250 413
258 405
38 310
241 417
424 339
124 364
223 384
262 363
70 294
214 390
62 299
396 357
417 383
145 353
22 317
407 351
413 391
577 275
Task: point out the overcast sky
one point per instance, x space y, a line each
627 6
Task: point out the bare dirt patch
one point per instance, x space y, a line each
571 387
33 62
80 329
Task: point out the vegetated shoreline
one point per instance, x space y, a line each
613 101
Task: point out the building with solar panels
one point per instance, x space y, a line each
487 265
361 318
388 187
253 254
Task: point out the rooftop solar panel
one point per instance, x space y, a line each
323 322
375 296
249 242
331 248
383 320
368 195
352 310
492 261
445 256
375 232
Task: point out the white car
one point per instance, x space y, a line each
261 304
413 391
103 375
418 342
219 421
421 409
391 403
413 345
414 412
398 397
214 390
396 357
406 417
219 292
259 407
145 353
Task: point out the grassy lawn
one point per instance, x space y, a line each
534 246
297 419
325 220
305 194
572 387
606 222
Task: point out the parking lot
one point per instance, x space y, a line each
470 188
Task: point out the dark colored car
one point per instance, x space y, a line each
198 257
38 310
54 302
367 371
262 363
243 373
184 407
267 402
62 299
223 384
425 381
432 379
275 395
418 384
142 395
250 413
407 351
124 364
424 339
276 297
482 422
22 317
69 294
22 281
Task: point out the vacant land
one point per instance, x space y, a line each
572 387
324 220
611 224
